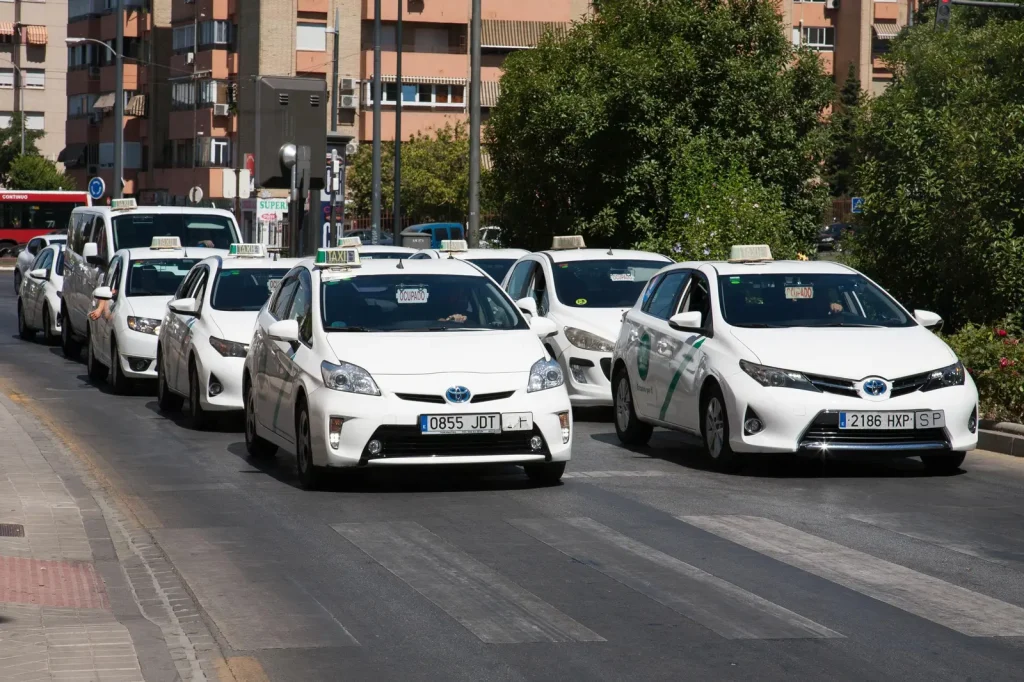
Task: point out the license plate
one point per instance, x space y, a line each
892 421
446 424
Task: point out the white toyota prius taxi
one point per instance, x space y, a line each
207 328
383 363
761 356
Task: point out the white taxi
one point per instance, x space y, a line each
39 296
390 363
376 251
585 292
207 328
495 262
137 287
761 356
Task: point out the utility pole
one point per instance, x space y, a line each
119 103
397 208
375 216
332 232
474 128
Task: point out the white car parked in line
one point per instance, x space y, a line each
385 363
207 328
584 292
495 262
758 356
29 254
39 297
138 286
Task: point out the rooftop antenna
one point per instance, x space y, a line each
400 266
610 251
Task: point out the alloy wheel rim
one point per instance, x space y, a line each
622 404
250 419
193 395
305 457
714 428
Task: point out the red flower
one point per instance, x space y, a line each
1001 332
1003 362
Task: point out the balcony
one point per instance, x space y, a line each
82 81
322 6
178 181
81 131
219 63
108 77
413 121
208 9
186 124
136 24
419 64
434 11
887 11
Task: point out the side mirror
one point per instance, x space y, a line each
928 320
39 274
284 330
686 321
184 306
527 305
33 249
543 327
103 293
91 254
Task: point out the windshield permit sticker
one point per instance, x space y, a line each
563 265
734 280
272 284
417 295
799 293
581 301
621 277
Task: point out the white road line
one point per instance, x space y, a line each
493 608
959 609
720 606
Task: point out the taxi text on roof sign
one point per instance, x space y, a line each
349 242
572 241
123 204
454 245
339 257
165 243
747 253
248 251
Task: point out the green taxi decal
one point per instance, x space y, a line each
643 356
581 301
687 359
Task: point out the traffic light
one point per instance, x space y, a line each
942 12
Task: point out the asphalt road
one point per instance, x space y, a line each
641 565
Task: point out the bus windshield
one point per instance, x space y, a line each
24 215
136 230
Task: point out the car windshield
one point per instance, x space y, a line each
808 300
245 289
136 230
415 303
602 283
158 277
497 268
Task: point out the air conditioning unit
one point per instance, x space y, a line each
349 102
831 4
351 148
347 84
190 58
221 110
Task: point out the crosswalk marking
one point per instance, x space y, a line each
720 606
493 608
967 612
610 474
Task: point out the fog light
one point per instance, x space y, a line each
334 432
138 364
752 424
536 443
577 373
972 423
215 386
563 421
374 447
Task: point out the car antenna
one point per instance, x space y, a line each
610 251
400 266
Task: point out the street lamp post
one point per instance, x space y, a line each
21 80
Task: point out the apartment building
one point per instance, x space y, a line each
33 68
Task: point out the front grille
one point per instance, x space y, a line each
407 441
421 398
606 367
824 433
833 385
909 384
489 397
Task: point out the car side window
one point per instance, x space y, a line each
519 279
47 259
37 262
187 284
301 308
698 298
282 300
457 233
539 291
662 303
198 290
110 280
99 235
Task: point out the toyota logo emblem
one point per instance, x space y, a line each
457 394
875 387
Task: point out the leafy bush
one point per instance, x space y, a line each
994 356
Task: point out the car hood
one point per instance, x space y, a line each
848 352
439 352
153 307
605 322
234 325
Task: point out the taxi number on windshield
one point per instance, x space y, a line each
436 424
931 419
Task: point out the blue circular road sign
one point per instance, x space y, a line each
97 187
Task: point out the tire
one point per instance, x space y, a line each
118 381
25 333
628 427
198 418
255 445
48 336
943 464
309 474
548 473
17 281
166 400
714 428
72 349
94 368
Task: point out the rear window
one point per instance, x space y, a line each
245 289
136 230
497 268
158 277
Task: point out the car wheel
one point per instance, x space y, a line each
548 473
309 475
72 349
628 427
118 381
198 418
715 431
94 368
944 464
255 445
17 281
165 399
49 338
24 332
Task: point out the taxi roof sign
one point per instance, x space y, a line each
165 243
341 257
123 204
572 241
454 245
247 251
750 253
349 242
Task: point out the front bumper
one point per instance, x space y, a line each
394 423
805 421
587 377
214 368
137 348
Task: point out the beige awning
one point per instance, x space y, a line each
485 160
104 102
6 28
35 35
490 91
886 30
420 80
136 106
500 33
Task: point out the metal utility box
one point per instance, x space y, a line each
290 111
415 240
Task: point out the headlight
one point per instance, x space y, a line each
777 378
588 341
144 325
229 349
544 374
947 376
349 378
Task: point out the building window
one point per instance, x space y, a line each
418 94
132 155
183 38
35 121
430 38
213 152
311 37
6 78
822 38
215 33
35 78
5 119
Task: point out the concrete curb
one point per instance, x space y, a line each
1002 437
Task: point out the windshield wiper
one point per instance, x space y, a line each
454 329
846 324
761 325
350 329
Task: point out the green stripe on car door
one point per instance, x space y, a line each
687 359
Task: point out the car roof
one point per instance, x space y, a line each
777 267
252 263
144 210
384 248
418 225
50 238
426 266
197 252
481 254
568 255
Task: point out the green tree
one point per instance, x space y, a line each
591 130
10 143
843 128
942 173
36 172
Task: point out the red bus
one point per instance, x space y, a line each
24 215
